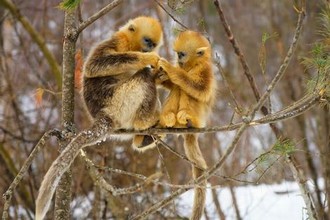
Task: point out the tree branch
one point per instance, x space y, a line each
63 191
97 15
169 14
237 50
300 107
7 196
100 181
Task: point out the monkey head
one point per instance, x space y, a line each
144 34
191 47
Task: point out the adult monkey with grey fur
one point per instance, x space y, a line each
120 93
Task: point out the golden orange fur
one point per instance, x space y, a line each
192 92
191 83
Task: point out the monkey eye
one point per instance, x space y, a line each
148 42
181 54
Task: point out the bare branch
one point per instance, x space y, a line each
177 153
284 65
169 14
97 15
100 181
237 50
217 63
292 111
302 183
7 196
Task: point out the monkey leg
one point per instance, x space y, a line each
188 118
170 108
167 119
183 117
188 111
194 154
147 116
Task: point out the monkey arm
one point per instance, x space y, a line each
196 82
163 80
115 63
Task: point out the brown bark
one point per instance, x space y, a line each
217 205
63 192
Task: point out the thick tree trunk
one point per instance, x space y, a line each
63 192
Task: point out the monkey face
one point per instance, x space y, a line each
182 57
148 44
146 34
191 47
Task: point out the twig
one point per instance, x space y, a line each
157 182
162 161
302 183
227 87
100 181
244 64
5 131
97 15
294 111
7 196
140 176
265 171
237 50
284 65
177 153
174 19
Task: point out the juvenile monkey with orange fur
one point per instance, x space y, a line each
192 92
191 83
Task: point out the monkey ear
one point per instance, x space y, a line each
131 28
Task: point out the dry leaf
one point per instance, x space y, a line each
38 97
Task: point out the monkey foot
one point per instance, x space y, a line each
184 118
167 120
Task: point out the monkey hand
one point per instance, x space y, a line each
161 77
151 59
163 65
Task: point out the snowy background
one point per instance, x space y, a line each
271 202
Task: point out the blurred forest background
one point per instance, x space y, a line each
30 103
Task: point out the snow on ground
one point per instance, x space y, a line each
262 202
272 202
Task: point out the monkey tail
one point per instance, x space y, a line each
62 163
194 154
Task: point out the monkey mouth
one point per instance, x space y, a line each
180 64
144 50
